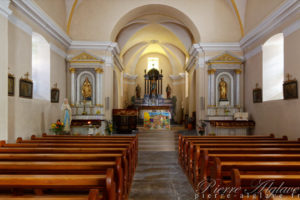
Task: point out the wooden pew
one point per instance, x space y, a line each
241 151
206 161
245 182
185 143
68 137
221 170
192 156
181 138
104 182
22 150
60 167
131 152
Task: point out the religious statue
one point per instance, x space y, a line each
138 91
86 90
153 87
223 90
168 91
66 115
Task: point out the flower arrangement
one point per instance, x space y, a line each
109 127
57 127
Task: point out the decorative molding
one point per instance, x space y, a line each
253 52
130 82
291 29
223 46
130 76
177 77
43 20
225 58
109 46
57 50
271 22
20 24
4 8
85 58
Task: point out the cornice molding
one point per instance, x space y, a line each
57 50
222 46
130 76
271 22
177 77
43 20
98 45
4 8
20 24
292 28
253 52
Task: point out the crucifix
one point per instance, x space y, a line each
256 85
27 75
288 76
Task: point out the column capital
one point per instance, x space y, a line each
238 71
4 8
72 70
99 70
211 71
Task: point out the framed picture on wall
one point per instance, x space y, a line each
26 88
54 95
290 89
257 95
11 85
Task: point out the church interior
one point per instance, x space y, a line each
149 99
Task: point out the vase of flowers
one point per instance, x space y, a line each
57 128
109 127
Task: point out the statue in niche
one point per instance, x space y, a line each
223 90
153 87
168 91
138 91
86 90
66 115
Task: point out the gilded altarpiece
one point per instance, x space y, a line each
86 74
224 93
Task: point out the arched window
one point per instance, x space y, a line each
40 67
273 68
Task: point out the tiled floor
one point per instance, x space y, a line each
158 175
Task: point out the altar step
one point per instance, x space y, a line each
158 141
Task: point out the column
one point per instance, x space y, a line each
209 88
99 72
73 87
212 85
4 13
237 95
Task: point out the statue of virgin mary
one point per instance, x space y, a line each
66 115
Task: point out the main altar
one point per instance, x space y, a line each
224 97
153 102
86 94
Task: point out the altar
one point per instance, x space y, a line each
224 97
86 94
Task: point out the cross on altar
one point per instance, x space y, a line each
288 76
256 85
26 75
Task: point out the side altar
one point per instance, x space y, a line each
86 94
225 94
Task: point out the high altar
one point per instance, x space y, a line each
224 97
153 100
86 94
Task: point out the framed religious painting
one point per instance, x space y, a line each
26 88
257 95
11 85
54 95
290 89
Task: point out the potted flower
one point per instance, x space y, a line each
109 127
57 128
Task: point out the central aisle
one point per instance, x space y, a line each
158 175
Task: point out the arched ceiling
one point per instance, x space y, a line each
238 7
158 34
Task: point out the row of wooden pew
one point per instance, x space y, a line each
236 167
68 167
